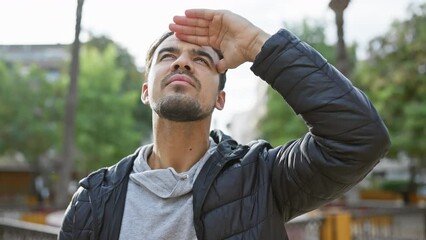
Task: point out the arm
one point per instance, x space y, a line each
346 136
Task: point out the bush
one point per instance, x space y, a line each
395 185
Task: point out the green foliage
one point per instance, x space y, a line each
106 129
395 185
132 79
111 121
394 75
280 124
28 112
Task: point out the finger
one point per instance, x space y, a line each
206 14
221 66
188 30
198 40
195 22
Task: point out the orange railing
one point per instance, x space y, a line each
406 223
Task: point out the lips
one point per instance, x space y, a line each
180 78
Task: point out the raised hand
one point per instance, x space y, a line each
238 39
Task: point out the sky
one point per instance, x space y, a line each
134 24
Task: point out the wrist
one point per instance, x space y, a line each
257 44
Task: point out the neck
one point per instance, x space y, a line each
178 144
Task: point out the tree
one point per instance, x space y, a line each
342 60
61 199
111 120
28 112
394 75
133 80
106 128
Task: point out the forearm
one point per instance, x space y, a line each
331 106
346 135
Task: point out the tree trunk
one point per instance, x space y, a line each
342 61
67 166
412 185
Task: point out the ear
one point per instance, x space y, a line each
144 95
220 101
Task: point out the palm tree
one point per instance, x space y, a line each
342 61
66 166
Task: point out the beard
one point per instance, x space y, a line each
181 108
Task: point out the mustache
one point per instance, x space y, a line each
194 80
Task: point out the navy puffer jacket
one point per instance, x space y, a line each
250 191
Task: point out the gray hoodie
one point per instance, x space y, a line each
159 202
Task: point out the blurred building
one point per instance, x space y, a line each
244 125
51 58
20 183
16 177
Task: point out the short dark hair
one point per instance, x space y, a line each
156 43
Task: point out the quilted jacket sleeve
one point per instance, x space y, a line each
77 222
67 223
346 135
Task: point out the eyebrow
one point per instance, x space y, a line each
204 54
194 51
168 49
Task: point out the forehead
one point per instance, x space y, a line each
173 42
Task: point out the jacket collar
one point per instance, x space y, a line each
110 176
103 181
227 151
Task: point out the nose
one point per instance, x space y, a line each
186 67
182 62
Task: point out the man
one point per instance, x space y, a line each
191 183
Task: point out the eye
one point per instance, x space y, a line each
202 60
167 56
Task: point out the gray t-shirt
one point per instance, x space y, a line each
159 202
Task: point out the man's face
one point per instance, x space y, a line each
183 83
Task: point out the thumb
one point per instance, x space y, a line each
222 66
